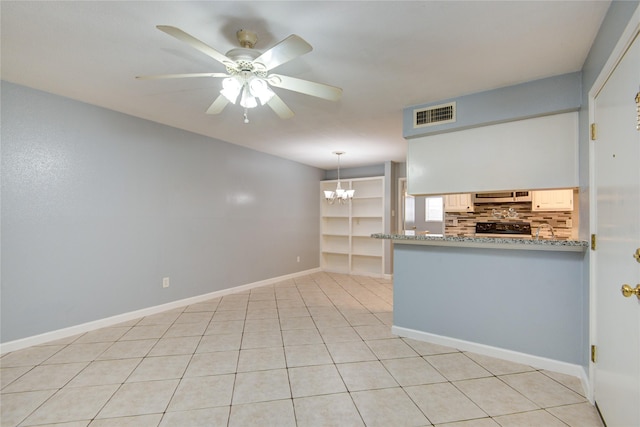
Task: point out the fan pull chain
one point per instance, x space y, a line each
246 118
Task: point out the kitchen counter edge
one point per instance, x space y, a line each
488 242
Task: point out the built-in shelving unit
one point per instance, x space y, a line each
346 245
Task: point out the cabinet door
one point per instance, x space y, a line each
552 200
458 203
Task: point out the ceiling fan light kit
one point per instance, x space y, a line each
340 195
247 75
250 86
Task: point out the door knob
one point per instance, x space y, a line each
627 291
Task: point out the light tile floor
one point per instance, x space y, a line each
312 351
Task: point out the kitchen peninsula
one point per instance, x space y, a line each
519 299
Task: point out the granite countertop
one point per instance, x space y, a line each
487 242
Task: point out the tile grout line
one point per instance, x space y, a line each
335 365
333 288
164 413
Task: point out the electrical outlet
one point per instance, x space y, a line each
165 282
298 258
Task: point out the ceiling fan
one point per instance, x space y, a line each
248 76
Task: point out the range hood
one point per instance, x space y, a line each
502 197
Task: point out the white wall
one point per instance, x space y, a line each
98 207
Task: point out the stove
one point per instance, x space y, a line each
503 229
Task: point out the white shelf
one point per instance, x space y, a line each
336 210
368 187
338 263
369 207
366 226
345 229
335 244
335 226
366 246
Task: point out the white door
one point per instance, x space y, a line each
617 185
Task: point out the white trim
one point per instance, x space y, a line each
359 273
592 255
402 183
125 317
500 353
624 42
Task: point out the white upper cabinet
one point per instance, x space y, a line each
458 202
552 200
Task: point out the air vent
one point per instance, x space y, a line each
436 115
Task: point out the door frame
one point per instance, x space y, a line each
402 182
624 42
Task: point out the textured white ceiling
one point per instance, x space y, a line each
386 55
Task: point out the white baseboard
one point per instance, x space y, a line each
500 353
359 273
125 317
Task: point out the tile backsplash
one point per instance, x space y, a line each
464 223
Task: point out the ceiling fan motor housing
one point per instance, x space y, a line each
243 58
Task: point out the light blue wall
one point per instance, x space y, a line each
530 302
553 95
98 207
615 21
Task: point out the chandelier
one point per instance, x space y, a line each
342 196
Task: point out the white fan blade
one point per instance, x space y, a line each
288 49
320 90
196 44
181 76
280 108
218 105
